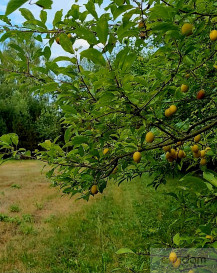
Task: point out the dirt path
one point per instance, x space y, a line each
25 192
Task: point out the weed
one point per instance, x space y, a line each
14 208
6 218
39 206
50 218
27 229
16 186
28 218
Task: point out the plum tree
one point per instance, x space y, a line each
126 71
113 91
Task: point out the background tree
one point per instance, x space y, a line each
34 118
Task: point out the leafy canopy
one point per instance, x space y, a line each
138 59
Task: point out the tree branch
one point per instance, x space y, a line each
164 85
162 144
82 79
201 122
194 12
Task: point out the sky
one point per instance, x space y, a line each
17 18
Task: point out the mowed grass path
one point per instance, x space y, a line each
43 231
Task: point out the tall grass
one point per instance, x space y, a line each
130 216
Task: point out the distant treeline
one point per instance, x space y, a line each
32 118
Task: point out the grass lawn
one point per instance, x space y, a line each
43 231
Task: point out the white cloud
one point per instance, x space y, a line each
81 44
99 46
56 51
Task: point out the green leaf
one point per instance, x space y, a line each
66 43
171 194
9 139
5 139
206 229
58 17
99 2
86 34
46 145
28 153
119 2
161 11
176 239
47 52
27 14
121 9
74 12
79 140
5 36
102 29
188 60
189 49
14 139
50 87
87 177
211 178
17 48
121 57
214 245
43 16
129 60
5 19
165 27
193 183
67 135
35 23
106 98
64 58
39 38
94 55
91 8
124 251
50 173
83 15
14 5
45 4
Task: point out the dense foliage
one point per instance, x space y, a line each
33 118
113 106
